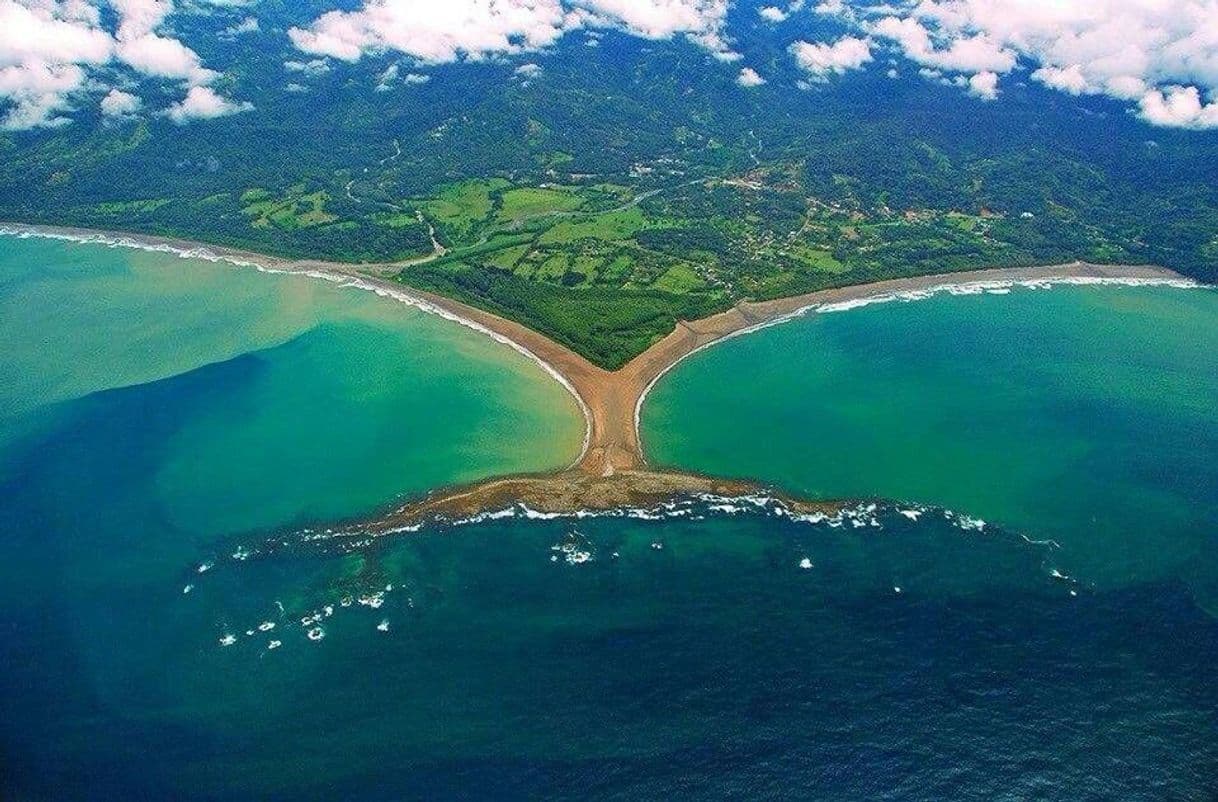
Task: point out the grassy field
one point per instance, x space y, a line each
294 210
608 269
459 209
522 203
606 325
609 276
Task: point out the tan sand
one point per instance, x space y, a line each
610 399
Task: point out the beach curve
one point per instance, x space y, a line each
611 468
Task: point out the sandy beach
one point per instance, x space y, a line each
610 400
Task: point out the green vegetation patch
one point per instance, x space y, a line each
460 209
608 326
396 219
132 207
679 279
614 225
295 210
522 203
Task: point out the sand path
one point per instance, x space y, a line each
610 399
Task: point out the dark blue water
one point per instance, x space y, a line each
918 659
685 658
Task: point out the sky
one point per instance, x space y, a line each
1159 58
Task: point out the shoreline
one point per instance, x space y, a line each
344 275
611 469
974 282
577 495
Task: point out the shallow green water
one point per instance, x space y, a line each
158 463
237 400
1081 414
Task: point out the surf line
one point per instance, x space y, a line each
612 467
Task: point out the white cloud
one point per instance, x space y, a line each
441 32
776 14
823 60
1067 79
247 25
44 47
203 103
38 93
144 50
434 32
317 66
984 85
120 104
749 77
162 57
1179 106
50 50
966 53
702 20
1159 53
388 78
50 33
31 110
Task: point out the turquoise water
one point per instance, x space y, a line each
163 416
320 401
1079 414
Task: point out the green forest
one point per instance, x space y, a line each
624 187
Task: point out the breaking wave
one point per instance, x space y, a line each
387 600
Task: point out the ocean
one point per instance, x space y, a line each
1015 607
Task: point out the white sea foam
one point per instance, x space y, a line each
970 524
1053 544
228 639
691 507
373 600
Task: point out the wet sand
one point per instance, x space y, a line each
575 491
612 465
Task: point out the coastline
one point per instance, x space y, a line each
972 282
368 277
575 494
611 470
